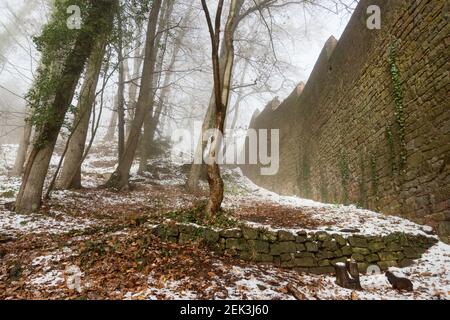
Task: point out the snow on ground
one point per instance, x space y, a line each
334 217
58 222
11 223
430 274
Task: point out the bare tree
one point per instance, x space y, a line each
221 95
119 179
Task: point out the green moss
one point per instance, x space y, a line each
362 201
391 146
196 214
398 96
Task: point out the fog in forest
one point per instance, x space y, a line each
275 55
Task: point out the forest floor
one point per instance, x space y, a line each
106 236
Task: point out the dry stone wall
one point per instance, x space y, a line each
314 252
372 124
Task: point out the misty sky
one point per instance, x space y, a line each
304 36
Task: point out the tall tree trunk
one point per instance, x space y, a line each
209 119
165 91
121 91
221 97
119 179
149 120
23 149
30 194
110 133
70 177
133 87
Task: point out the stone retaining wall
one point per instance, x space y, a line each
314 252
372 124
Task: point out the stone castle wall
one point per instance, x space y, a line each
372 124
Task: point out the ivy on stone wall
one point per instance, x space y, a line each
398 96
391 145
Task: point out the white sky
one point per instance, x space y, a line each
301 47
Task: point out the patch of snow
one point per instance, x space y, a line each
12 223
334 217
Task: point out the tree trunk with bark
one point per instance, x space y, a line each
112 126
150 119
119 179
121 91
221 97
23 150
99 18
70 177
210 116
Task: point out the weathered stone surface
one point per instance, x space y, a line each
238 244
305 262
330 244
307 255
372 258
312 247
249 233
267 235
346 251
231 233
246 255
287 257
358 257
325 255
301 238
285 236
258 246
211 236
340 240
393 246
282 247
388 256
363 251
358 242
376 246
262 257
322 236
324 263
187 229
